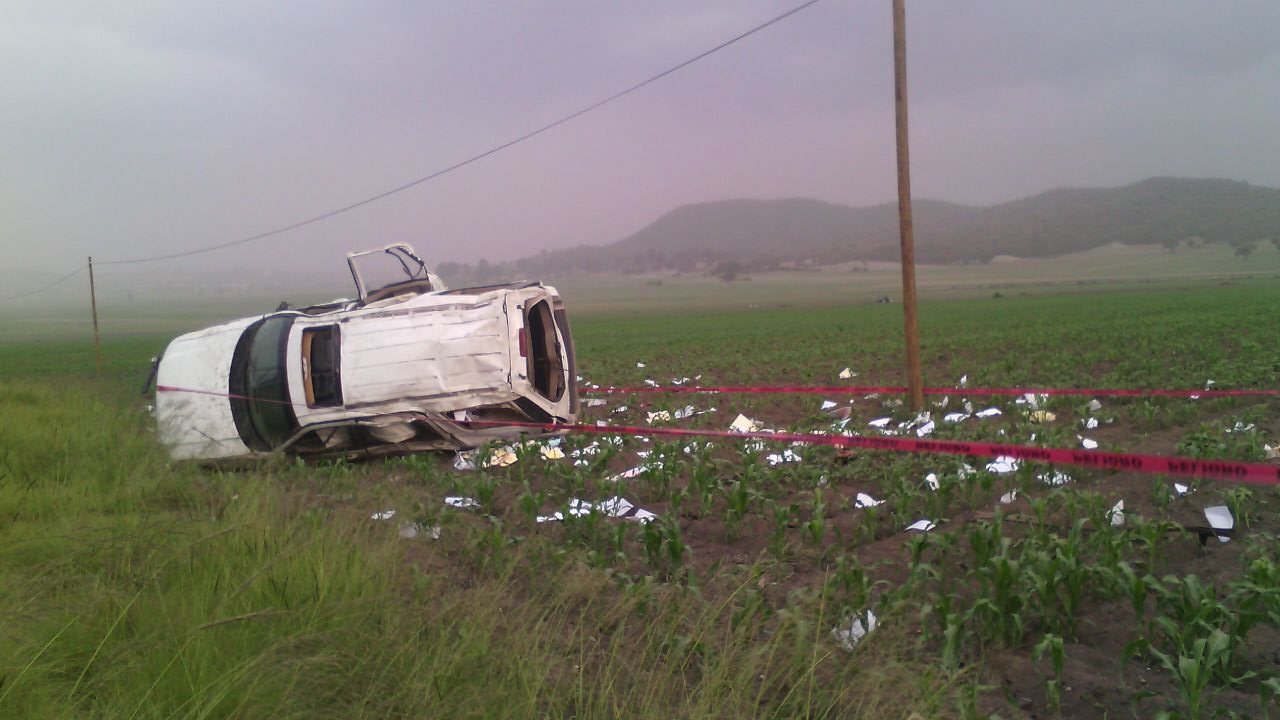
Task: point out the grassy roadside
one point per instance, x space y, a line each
133 588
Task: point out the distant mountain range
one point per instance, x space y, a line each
749 235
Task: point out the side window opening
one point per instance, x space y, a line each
260 402
545 369
321 374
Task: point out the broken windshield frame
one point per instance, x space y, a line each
413 267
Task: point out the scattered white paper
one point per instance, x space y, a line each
1241 427
650 382
1094 405
461 502
865 501
1088 444
621 409
1117 514
989 412
921 526
827 405
786 456
1042 416
925 429
964 381
551 453
1003 465
1054 479
596 402
1270 453
639 364
846 373
1008 497
464 461
880 422
932 481
1090 423
679 381
744 424
1208 384
955 417
1219 517
1181 489
383 515
409 530
854 630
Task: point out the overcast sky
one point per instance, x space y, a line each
135 128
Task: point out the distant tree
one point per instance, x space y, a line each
1245 249
727 270
1171 245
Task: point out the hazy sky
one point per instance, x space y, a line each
136 128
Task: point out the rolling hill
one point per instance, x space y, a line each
757 234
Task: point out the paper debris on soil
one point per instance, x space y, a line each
1240 427
921 526
596 402
1042 416
880 422
1117 514
946 400
847 373
1003 464
552 453
1219 517
1031 399
461 502
1054 479
1090 423
989 412
786 456
1182 489
383 515
932 481
1270 453
621 409
659 416
855 629
925 429
465 461
409 530
1094 405
1008 497
827 405
615 507
955 417
627 474
688 411
964 381
679 381
744 424
639 364
865 501
1088 444
895 402
502 457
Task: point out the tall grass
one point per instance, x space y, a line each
131 588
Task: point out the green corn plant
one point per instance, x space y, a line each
1239 501
815 528
1052 645
1195 668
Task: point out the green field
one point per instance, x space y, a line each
131 587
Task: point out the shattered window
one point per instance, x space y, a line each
320 377
263 414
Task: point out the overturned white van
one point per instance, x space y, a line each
408 367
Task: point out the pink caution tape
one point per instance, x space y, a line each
899 390
1251 473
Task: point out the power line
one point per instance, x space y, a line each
43 288
529 135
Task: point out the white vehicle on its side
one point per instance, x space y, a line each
403 368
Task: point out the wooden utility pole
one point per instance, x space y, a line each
93 303
915 382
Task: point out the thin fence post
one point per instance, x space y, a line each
93 303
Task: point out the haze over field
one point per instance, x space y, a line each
134 131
